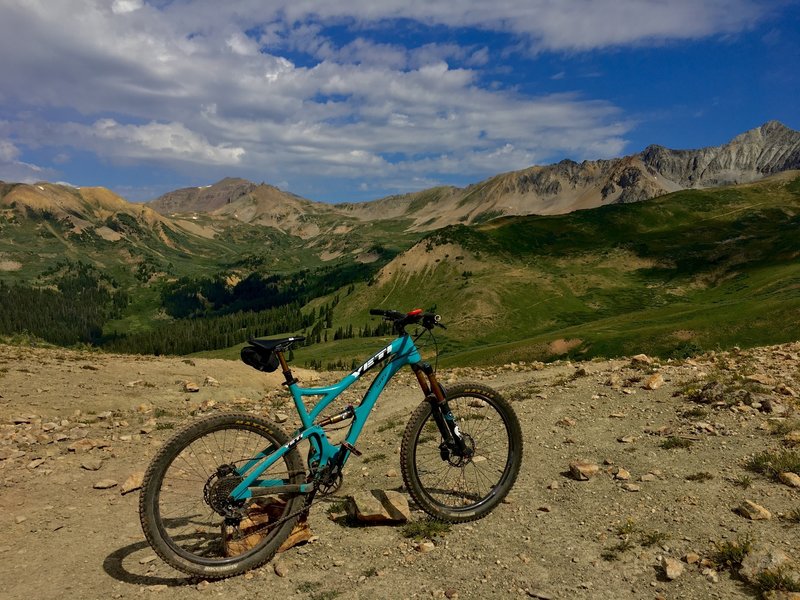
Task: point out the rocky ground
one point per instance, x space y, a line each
640 480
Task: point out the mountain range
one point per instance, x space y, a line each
544 190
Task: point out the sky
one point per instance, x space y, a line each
351 100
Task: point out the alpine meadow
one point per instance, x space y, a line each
200 270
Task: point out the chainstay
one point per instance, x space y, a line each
306 507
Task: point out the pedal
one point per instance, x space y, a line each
351 448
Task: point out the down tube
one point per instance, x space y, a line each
378 385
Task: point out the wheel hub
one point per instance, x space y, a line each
459 461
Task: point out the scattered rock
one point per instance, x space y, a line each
621 474
190 387
614 381
133 482
691 558
210 381
281 417
10 453
379 506
280 568
20 519
672 568
753 511
105 484
781 595
760 560
36 462
627 439
792 438
640 360
790 479
760 378
566 422
82 445
711 574
654 382
583 470
425 546
631 487
391 473
92 464
704 427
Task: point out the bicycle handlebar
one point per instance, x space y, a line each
427 319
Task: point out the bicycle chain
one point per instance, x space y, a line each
306 507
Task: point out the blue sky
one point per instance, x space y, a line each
358 99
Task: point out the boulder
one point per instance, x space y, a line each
760 560
378 506
654 382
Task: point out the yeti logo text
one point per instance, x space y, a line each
372 361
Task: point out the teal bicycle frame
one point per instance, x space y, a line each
401 352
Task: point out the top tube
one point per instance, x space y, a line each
401 351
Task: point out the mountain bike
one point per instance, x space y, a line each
224 492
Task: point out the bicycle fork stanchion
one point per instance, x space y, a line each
442 415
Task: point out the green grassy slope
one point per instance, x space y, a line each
687 271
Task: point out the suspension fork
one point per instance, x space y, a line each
440 409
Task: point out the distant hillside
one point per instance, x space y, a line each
543 190
690 270
202 199
42 224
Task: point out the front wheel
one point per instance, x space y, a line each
463 488
185 507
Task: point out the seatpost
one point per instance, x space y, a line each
287 372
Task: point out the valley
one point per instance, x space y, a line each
198 270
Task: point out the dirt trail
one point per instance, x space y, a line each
555 537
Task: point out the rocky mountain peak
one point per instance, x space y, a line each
204 198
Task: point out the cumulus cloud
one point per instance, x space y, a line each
204 82
154 141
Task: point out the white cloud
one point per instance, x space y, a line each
8 151
14 170
562 25
154 141
121 7
191 84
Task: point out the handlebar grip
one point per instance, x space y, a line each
377 312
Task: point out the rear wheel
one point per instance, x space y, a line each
185 507
463 488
